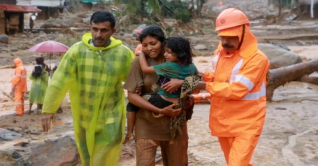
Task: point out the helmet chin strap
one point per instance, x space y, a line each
242 38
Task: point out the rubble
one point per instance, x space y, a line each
10 158
8 135
62 151
278 56
200 47
4 39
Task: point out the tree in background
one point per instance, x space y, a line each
199 6
142 7
75 4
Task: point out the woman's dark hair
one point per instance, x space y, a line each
103 16
153 31
181 47
39 60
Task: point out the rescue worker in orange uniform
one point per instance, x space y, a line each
19 86
237 85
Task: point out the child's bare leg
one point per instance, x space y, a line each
131 117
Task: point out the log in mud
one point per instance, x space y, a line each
283 75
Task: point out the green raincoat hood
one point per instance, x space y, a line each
88 36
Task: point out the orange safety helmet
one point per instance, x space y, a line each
229 18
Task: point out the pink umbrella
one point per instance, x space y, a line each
49 47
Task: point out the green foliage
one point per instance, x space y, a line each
169 31
180 10
182 15
173 6
134 7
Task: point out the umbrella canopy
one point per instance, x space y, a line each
49 47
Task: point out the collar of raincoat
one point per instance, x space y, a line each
249 45
18 62
88 36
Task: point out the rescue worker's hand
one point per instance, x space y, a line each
201 86
172 85
47 119
170 110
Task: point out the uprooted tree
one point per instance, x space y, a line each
283 75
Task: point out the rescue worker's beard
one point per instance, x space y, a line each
227 46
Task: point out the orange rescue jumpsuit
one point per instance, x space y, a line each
238 103
19 84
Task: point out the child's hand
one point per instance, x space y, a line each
140 53
172 85
138 91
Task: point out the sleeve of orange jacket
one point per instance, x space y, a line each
208 76
252 73
17 76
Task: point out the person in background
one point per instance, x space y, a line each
39 85
19 86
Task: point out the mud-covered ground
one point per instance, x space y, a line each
289 138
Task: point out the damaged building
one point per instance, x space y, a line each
12 17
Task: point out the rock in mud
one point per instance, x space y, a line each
279 57
56 23
4 39
7 135
62 151
10 158
200 47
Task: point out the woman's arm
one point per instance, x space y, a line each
144 104
144 64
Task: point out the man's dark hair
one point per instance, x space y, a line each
181 47
153 31
103 16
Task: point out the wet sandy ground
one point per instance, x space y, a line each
289 137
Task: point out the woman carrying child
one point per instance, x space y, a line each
152 130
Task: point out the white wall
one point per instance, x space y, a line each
50 3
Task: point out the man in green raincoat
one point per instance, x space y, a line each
93 70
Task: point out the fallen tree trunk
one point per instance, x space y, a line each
280 76
312 80
7 67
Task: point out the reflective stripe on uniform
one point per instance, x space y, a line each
22 76
256 95
214 61
235 70
19 104
247 82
